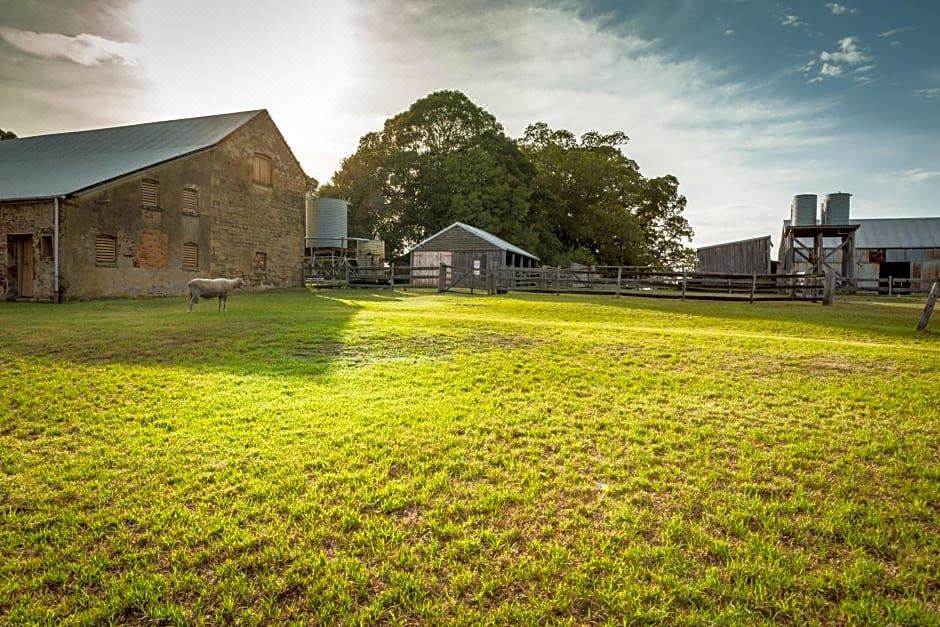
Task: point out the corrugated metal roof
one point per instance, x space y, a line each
64 163
895 232
484 235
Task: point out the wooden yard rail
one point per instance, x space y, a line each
609 280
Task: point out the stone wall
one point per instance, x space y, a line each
150 239
249 218
35 219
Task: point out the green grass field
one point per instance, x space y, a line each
355 456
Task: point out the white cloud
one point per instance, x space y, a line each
848 53
839 9
791 20
895 31
929 93
83 49
729 31
919 174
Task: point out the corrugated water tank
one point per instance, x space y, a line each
835 208
803 210
326 222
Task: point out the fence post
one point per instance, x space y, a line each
491 279
619 275
753 285
890 285
683 284
346 267
557 280
391 276
441 278
928 308
829 286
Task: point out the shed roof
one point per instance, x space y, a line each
896 232
740 241
44 166
484 235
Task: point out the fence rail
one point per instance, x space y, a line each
609 280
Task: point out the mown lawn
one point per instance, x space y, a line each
397 457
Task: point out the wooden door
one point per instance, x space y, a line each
25 265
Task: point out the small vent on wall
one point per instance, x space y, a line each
149 193
105 249
190 256
190 201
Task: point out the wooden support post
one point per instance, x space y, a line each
890 286
928 308
557 280
346 268
391 276
683 284
753 286
829 286
442 279
492 280
619 276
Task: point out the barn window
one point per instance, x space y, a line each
190 256
190 200
45 246
261 262
105 249
261 169
149 193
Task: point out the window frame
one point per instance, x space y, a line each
156 194
257 172
99 239
192 246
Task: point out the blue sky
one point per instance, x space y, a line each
747 102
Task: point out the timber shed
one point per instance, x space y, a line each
467 248
748 256
140 210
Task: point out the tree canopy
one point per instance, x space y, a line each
445 159
7 135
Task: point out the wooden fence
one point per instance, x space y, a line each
609 280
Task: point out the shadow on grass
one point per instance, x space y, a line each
283 332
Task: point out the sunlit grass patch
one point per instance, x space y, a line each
405 456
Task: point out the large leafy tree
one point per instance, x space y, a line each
444 159
7 135
597 206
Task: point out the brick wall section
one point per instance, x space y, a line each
248 218
36 219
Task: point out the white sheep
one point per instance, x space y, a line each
212 288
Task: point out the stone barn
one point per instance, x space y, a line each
465 249
140 210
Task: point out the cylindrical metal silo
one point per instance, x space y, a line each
835 209
803 210
326 222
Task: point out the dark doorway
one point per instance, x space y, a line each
22 268
894 270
